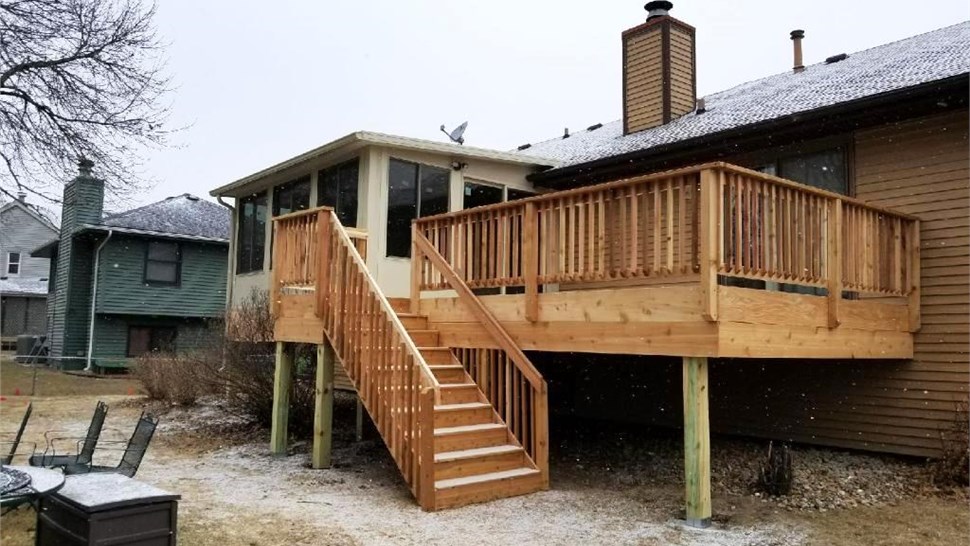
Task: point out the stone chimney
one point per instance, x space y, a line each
659 82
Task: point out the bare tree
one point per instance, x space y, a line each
78 78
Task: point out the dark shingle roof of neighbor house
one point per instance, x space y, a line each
185 215
921 59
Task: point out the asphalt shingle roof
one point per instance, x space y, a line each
23 286
183 214
913 61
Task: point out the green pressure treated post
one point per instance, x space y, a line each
282 381
697 443
323 407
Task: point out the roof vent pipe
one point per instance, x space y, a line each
657 9
796 38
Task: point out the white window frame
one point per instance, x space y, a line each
19 263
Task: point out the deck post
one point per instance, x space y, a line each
530 261
709 234
697 446
323 407
415 270
915 320
359 436
282 381
833 261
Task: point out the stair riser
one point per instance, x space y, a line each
425 338
454 497
460 395
414 323
479 465
442 356
451 376
457 418
470 440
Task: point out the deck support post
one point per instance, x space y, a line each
360 421
697 446
323 407
282 383
710 240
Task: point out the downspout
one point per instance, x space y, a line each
94 298
231 269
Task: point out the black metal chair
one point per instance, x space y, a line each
87 443
134 451
12 450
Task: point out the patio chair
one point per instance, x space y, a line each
51 459
134 451
12 450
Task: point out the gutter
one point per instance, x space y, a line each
606 168
94 298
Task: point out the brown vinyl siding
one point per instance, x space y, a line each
643 87
681 72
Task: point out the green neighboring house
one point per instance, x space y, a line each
156 276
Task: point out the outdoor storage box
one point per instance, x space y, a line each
107 508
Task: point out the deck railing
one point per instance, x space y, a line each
391 376
706 221
509 380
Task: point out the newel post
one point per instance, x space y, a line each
915 321
709 233
276 267
323 256
415 270
530 265
833 261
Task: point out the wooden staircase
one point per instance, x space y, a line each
462 427
476 457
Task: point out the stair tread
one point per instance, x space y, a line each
445 366
459 386
466 405
435 348
445 431
487 477
475 452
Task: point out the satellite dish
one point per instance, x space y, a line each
456 135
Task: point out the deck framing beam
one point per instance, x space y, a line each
282 385
323 407
697 443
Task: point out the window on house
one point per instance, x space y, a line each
251 236
414 191
825 169
515 195
149 339
337 188
13 263
478 195
162 263
292 196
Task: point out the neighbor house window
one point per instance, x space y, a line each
149 339
292 196
414 191
251 236
825 169
337 188
13 263
162 263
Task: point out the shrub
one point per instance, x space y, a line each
953 467
170 377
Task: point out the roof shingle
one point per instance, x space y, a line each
183 214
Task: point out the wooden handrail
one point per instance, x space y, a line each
481 313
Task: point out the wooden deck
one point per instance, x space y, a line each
709 261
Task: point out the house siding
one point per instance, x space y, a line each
23 315
21 232
122 289
111 334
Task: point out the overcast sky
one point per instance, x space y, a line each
259 82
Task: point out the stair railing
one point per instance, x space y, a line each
510 381
392 379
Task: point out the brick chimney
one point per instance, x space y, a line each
659 83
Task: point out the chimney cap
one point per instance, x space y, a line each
658 8
797 34
84 166
22 196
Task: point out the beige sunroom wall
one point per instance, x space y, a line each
391 273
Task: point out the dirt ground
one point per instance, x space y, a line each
234 492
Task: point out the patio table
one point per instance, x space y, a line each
27 484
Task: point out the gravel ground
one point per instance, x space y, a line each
610 485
